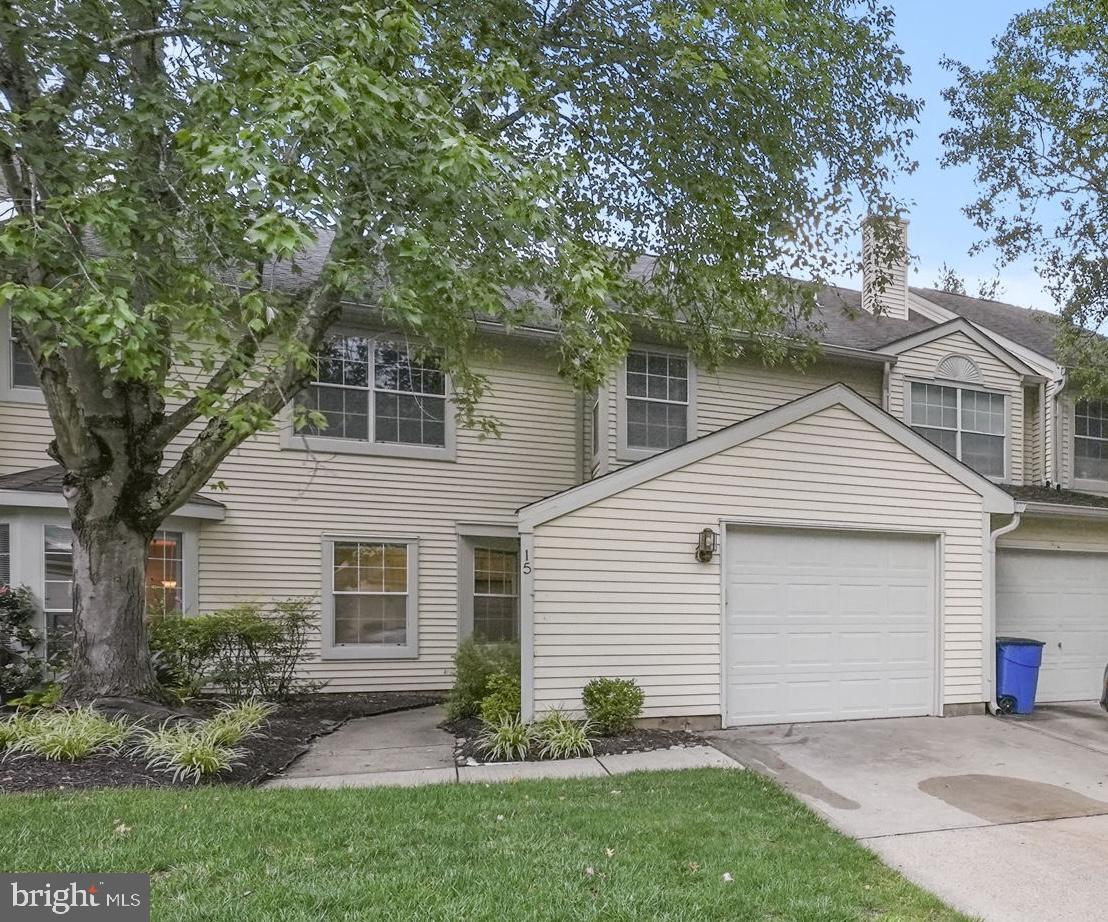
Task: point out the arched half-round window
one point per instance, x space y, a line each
958 368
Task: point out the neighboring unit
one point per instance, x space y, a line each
752 544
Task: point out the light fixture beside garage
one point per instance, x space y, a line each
706 546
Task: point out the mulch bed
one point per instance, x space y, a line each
467 752
286 735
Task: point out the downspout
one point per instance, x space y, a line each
885 386
990 632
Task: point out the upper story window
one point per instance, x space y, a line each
22 365
656 395
969 424
379 394
1090 440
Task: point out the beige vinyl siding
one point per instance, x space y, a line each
1033 440
1058 534
281 502
740 390
617 591
919 364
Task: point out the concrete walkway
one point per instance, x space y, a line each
408 748
1004 818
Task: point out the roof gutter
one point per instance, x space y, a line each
1065 511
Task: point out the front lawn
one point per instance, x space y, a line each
694 845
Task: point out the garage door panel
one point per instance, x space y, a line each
1060 598
828 625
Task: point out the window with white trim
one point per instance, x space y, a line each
5 554
370 596
21 365
968 424
1090 440
377 392
165 566
656 400
495 595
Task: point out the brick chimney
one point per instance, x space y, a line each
885 266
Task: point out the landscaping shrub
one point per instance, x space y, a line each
188 750
613 705
561 737
21 644
48 696
234 722
244 651
68 733
509 738
502 698
474 665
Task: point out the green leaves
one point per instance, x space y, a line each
1032 124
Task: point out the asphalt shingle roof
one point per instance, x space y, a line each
1055 496
49 480
1034 329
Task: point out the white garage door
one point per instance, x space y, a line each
1061 598
828 625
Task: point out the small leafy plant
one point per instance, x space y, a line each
474 664
47 697
191 751
21 644
502 698
613 705
508 739
562 737
69 734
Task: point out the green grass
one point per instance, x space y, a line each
658 844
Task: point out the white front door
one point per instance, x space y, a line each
828 625
1061 598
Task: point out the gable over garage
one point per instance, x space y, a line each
849 581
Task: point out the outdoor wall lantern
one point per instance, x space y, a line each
706 546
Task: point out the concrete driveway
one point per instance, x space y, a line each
1004 818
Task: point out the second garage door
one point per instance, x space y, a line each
1061 598
828 625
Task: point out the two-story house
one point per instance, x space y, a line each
752 544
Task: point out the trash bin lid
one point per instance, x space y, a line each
1020 642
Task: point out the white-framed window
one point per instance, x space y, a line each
967 423
18 382
1090 440
378 397
370 604
656 401
165 569
166 587
495 593
5 554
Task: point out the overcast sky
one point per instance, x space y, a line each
938 231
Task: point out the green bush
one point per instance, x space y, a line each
613 705
474 664
502 698
68 733
21 645
48 696
244 651
508 738
562 737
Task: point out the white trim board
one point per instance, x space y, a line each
31 499
995 499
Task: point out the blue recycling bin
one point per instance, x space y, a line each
1017 673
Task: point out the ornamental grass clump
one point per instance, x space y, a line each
236 721
67 734
507 739
562 737
190 751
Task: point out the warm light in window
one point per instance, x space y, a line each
169 583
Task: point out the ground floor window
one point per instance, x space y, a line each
495 594
164 577
5 554
370 596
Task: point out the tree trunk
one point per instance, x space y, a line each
111 658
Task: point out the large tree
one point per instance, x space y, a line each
1034 126
172 163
